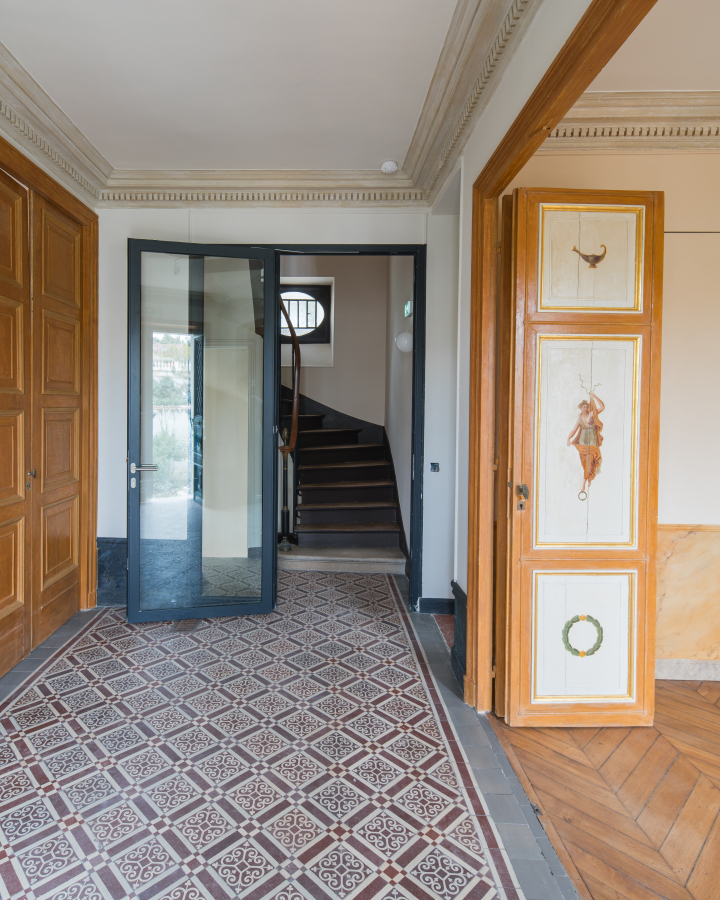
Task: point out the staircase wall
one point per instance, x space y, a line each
355 382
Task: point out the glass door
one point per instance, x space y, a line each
202 482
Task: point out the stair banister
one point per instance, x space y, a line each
288 445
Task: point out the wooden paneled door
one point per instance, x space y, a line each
15 415
56 412
579 368
48 387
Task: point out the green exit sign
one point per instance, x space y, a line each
408 308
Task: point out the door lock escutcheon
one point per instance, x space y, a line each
523 494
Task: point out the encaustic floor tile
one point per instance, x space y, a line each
294 756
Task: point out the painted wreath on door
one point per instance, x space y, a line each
566 636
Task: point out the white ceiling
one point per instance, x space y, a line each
234 84
675 48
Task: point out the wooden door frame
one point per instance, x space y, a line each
35 179
603 29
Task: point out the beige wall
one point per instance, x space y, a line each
688 624
355 383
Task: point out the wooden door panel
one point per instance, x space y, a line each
58 416
13 209
61 258
59 536
60 354
15 420
12 456
581 451
12 569
11 346
58 604
60 448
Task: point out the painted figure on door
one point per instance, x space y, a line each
586 436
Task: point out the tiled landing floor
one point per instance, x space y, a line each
312 753
303 754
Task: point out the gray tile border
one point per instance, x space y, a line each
537 867
504 809
27 667
520 842
536 879
492 781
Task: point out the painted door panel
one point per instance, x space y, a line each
577 457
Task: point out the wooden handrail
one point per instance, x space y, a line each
290 446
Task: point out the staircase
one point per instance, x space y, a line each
346 489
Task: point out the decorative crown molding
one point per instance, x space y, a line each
482 37
642 122
481 41
32 119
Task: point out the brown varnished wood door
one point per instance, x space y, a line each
15 414
57 411
503 474
579 365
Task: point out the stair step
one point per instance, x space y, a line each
329 437
343 485
350 504
349 526
358 464
342 446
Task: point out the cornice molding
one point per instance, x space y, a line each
32 119
257 187
481 41
482 38
664 121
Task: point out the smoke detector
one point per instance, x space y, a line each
389 166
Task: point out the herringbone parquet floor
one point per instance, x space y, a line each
633 812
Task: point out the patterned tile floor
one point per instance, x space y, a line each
303 754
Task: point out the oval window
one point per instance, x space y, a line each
305 313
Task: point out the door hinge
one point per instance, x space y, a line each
494 671
127 564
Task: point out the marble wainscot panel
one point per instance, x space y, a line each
111 571
688 611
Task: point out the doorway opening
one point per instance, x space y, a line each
353 502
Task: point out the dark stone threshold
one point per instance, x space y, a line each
458 658
434 607
111 571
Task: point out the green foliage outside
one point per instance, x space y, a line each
167 392
168 449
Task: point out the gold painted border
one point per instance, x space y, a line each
639 255
632 639
631 543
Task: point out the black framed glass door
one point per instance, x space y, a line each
202 448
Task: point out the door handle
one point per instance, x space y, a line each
134 468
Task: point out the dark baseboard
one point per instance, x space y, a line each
111 571
458 658
436 606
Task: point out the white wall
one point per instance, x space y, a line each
275 228
398 380
440 403
690 366
359 315
552 25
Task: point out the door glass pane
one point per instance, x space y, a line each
201 425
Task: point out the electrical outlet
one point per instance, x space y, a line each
434 467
